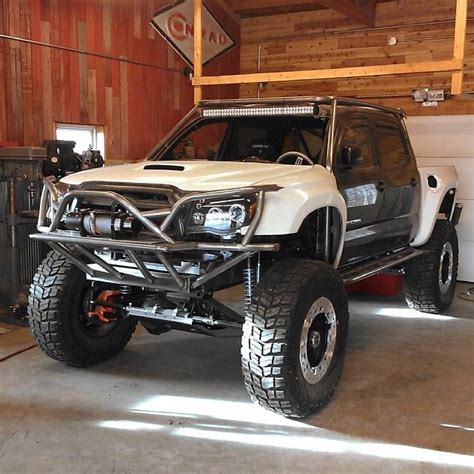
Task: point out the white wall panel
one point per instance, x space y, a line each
466 224
450 140
442 136
466 249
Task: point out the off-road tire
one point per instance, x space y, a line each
422 274
56 297
272 334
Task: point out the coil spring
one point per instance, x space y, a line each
250 281
125 290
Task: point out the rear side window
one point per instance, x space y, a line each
357 134
391 146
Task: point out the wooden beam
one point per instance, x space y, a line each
370 9
251 8
362 11
229 11
350 9
459 45
197 49
318 74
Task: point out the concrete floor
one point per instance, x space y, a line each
176 403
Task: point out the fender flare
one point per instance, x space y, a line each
279 218
438 186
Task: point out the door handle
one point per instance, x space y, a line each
381 186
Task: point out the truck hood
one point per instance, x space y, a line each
192 175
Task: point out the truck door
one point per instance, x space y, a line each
400 180
358 182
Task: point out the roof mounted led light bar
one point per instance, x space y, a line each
260 111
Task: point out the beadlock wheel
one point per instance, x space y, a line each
318 339
446 265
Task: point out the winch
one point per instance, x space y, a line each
102 223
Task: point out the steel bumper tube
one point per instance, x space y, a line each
65 241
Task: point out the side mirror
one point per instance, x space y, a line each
351 156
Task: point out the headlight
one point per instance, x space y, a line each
219 217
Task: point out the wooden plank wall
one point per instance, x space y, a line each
326 39
137 94
3 105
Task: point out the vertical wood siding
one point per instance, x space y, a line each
137 96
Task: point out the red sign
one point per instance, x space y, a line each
175 24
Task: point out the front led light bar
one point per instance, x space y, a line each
259 111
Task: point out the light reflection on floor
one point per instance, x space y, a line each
214 409
245 423
411 314
130 425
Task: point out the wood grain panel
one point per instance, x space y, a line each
138 92
322 39
3 91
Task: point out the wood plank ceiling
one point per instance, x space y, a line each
362 11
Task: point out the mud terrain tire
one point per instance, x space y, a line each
430 279
283 354
55 313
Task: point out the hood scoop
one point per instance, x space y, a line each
164 167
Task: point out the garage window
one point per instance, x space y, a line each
85 136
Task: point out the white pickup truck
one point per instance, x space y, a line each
293 197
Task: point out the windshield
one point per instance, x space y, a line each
251 139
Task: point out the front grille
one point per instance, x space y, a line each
144 197
170 192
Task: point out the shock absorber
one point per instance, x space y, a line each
250 281
125 293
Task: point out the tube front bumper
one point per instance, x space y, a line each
82 250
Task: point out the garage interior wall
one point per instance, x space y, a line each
320 39
137 91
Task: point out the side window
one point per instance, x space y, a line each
391 146
357 134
